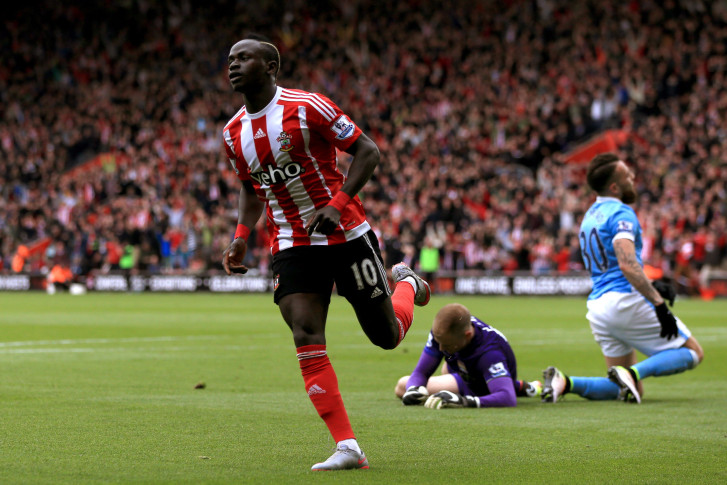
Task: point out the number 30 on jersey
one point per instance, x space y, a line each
593 252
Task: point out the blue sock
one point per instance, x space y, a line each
664 363
594 388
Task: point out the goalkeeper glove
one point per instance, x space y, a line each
414 395
448 399
666 290
667 320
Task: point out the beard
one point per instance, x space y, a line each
628 196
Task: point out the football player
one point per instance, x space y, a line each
627 312
480 366
282 145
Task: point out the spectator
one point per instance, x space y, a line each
474 133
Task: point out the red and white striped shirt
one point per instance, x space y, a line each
287 151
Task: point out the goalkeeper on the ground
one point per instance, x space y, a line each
480 368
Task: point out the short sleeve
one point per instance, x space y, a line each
241 174
329 121
624 224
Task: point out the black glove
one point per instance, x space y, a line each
448 399
414 395
666 290
667 320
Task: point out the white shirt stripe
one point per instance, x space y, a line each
298 194
323 108
316 239
309 105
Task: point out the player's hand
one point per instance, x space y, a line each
414 396
232 257
448 399
666 290
667 320
324 221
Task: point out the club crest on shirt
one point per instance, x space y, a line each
284 140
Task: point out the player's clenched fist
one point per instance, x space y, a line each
324 221
668 322
233 256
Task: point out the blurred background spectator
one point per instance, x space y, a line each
111 147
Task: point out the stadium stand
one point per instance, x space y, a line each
111 148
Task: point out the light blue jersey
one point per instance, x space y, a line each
606 220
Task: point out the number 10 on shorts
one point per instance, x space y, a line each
367 272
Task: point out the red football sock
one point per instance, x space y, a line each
322 386
403 302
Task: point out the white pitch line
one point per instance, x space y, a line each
47 351
31 343
90 350
107 350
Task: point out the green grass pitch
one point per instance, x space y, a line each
101 388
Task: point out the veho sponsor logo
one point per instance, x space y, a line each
271 175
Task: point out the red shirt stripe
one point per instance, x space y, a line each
288 152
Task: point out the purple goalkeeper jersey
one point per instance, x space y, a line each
487 356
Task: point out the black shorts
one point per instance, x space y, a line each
355 267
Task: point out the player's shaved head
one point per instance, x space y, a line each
267 50
453 318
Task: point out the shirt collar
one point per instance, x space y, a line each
604 198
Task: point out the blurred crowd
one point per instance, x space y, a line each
474 105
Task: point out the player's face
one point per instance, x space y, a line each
625 181
246 68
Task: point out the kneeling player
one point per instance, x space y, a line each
627 312
481 366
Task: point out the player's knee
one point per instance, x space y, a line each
400 388
386 343
306 335
386 338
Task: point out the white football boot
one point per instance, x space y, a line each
344 458
624 380
553 385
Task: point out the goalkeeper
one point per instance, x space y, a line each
480 366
